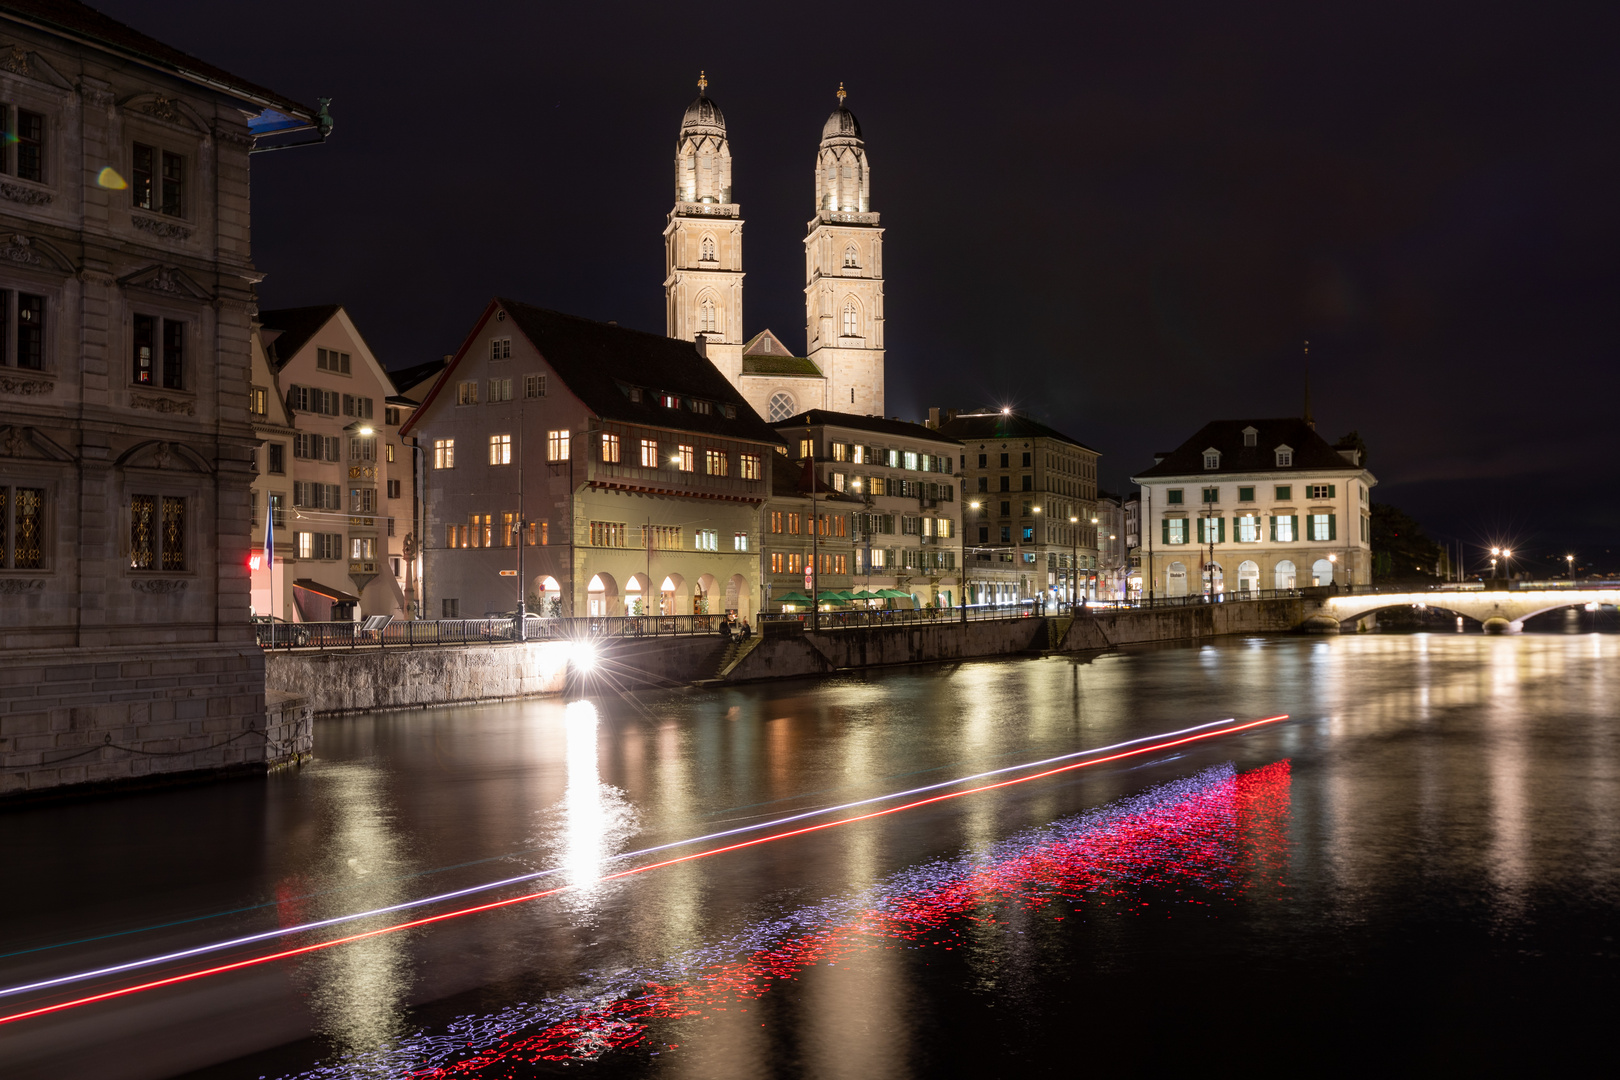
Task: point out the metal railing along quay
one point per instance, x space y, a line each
407 633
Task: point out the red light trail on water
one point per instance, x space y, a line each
319 946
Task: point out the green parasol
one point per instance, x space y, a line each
794 598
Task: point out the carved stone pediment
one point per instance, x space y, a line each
24 250
17 60
162 454
25 194
166 110
24 386
17 441
167 280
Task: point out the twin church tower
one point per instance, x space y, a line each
842 369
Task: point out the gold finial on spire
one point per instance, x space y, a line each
841 94
703 81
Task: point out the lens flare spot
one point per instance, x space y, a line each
108 178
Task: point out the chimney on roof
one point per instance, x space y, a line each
933 419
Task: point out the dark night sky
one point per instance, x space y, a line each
1123 218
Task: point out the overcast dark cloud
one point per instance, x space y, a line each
1124 218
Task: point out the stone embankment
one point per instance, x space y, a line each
135 717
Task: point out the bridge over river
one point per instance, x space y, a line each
1500 610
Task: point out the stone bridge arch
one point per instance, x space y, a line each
1500 610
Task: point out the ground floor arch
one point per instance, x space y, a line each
1283 575
1175 579
601 595
637 598
672 595
1322 572
707 586
737 596
1248 579
545 596
1214 579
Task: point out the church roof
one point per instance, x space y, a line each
766 355
1312 453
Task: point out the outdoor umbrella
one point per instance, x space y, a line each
795 598
830 597
864 595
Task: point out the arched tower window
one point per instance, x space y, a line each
706 249
852 320
782 406
707 320
852 257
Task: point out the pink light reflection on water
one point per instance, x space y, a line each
1215 836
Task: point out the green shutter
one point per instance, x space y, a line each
1273 528
1165 524
1333 527
1331 489
1220 530
1294 525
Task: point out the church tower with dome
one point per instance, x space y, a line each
842 369
703 274
843 258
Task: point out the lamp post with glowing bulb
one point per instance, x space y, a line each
1495 551
974 505
1507 571
1074 560
1094 539
1333 564
1570 561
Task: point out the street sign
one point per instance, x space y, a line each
508 573
809 578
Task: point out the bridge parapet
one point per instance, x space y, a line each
1500 610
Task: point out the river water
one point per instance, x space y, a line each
1418 869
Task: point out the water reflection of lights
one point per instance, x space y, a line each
1212 838
585 819
1114 752
583 655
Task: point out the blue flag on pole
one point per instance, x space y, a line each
269 535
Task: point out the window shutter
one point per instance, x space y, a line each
1165 524
1220 530
1293 525
1333 527
1332 490
1274 528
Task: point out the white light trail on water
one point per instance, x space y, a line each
200 950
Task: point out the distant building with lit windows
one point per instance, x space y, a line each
1030 534
1254 505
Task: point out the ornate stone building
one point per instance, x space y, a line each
842 368
126 306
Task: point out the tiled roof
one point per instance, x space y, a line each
780 365
294 326
600 362
1312 453
79 21
901 428
410 380
967 427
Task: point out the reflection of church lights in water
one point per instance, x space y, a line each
584 817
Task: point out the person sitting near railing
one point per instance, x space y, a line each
747 630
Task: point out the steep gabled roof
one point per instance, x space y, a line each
85 24
294 327
602 364
878 424
999 425
409 381
1312 453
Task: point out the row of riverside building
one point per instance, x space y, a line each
155 425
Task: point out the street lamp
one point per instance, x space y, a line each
1570 559
1333 563
1074 560
1507 553
1495 551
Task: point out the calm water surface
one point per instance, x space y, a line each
1417 871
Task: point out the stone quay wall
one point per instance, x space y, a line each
345 681
79 718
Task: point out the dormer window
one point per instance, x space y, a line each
1212 458
669 401
1251 436
1285 457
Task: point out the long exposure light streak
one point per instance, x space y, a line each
1223 729
407 905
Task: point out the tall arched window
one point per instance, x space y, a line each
782 406
852 320
707 249
852 257
706 316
